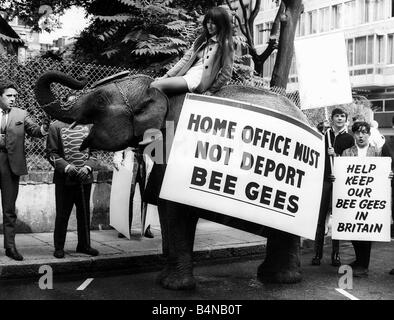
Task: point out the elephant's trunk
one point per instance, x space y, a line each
47 99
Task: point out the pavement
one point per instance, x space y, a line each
213 242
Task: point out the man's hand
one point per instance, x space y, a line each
331 178
45 124
391 175
331 151
72 171
83 174
116 165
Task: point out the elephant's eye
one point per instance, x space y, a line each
100 100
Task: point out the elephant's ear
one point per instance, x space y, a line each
151 112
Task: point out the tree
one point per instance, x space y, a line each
281 35
290 11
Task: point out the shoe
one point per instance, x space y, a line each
360 272
59 253
316 261
391 272
13 254
148 233
335 260
88 250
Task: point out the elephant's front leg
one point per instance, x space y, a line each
178 231
282 261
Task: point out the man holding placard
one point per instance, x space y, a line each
336 141
359 195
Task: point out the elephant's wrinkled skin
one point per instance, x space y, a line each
120 112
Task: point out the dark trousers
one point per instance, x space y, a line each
324 207
362 250
9 185
139 176
66 197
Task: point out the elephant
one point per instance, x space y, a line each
120 110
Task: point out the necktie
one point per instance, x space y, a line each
3 120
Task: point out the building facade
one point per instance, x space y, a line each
34 46
368 26
31 39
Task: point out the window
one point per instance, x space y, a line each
265 32
350 51
323 19
370 49
336 16
389 105
378 12
377 105
360 51
260 34
312 21
349 13
301 25
392 8
362 11
380 49
367 10
390 49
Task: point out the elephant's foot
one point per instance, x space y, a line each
173 279
271 275
176 281
163 274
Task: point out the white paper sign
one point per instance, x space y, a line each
361 204
322 70
247 162
120 199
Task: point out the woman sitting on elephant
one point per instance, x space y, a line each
208 65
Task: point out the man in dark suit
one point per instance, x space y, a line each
73 179
14 124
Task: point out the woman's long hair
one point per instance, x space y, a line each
221 19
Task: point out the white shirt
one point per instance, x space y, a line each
362 152
6 117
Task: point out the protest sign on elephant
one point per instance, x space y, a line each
248 162
361 199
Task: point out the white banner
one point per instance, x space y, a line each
361 203
120 199
322 69
248 162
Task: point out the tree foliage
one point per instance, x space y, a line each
245 18
143 34
281 37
